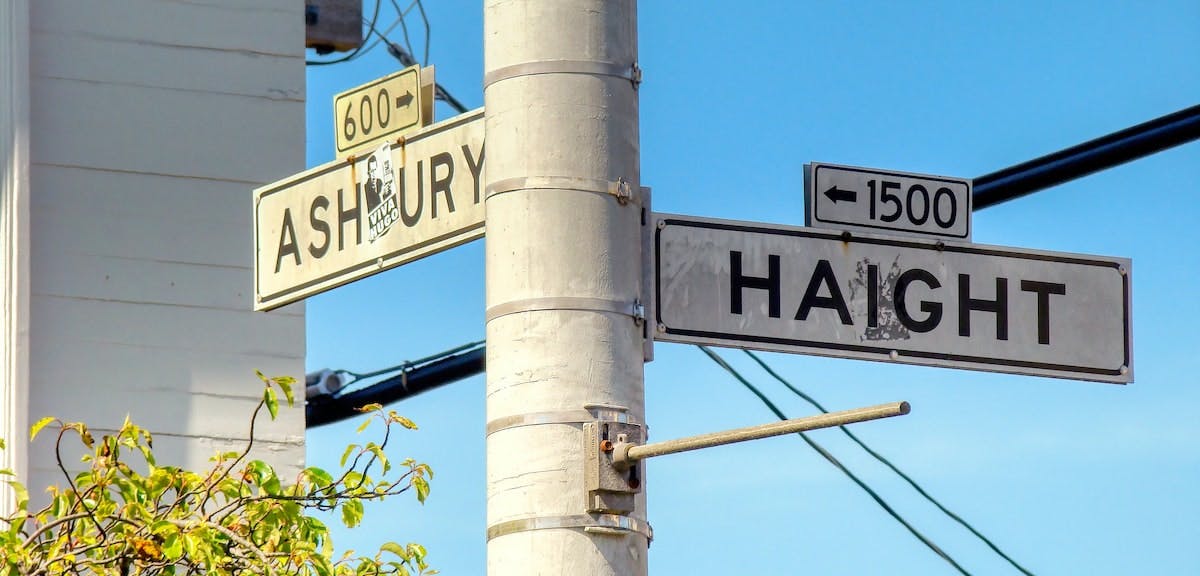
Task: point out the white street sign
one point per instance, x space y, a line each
957 305
887 202
342 221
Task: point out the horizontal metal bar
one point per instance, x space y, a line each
625 454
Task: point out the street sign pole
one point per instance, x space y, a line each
564 344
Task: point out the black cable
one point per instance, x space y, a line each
443 95
352 55
893 467
408 364
836 463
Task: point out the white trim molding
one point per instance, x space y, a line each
14 240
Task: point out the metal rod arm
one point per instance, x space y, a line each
625 454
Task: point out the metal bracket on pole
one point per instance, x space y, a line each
609 488
628 454
648 295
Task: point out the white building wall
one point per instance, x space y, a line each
152 120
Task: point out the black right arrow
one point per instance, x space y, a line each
834 194
405 100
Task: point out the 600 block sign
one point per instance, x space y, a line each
369 114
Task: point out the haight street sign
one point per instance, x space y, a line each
909 300
887 202
352 218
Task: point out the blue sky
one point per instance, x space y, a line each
1067 477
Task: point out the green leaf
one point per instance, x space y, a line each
396 549
346 455
422 486
265 380
271 401
378 452
37 426
322 566
352 513
320 478
22 494
285 385
172 546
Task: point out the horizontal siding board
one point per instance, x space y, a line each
80 57
64 323
185 220
168 410
89 367
261 26
75 275
137 129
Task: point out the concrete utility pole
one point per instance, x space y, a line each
563 279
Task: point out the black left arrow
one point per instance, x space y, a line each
405 100
836 194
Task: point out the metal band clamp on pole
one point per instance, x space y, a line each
625 454
630 72
634 309
590 413
612 524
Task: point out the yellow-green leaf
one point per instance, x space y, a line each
396 549
373 407
366 422
352 512
37 426
285 384
271 401
346 455
405 422
422 486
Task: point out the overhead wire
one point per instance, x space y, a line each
837 463
402 54
890 465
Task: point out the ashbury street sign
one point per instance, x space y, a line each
352 218
908 300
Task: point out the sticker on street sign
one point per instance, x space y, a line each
343 221
916 301
373 112
886 202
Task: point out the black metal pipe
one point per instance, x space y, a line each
1091 156
327 409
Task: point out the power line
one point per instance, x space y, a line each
889 464
836 463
